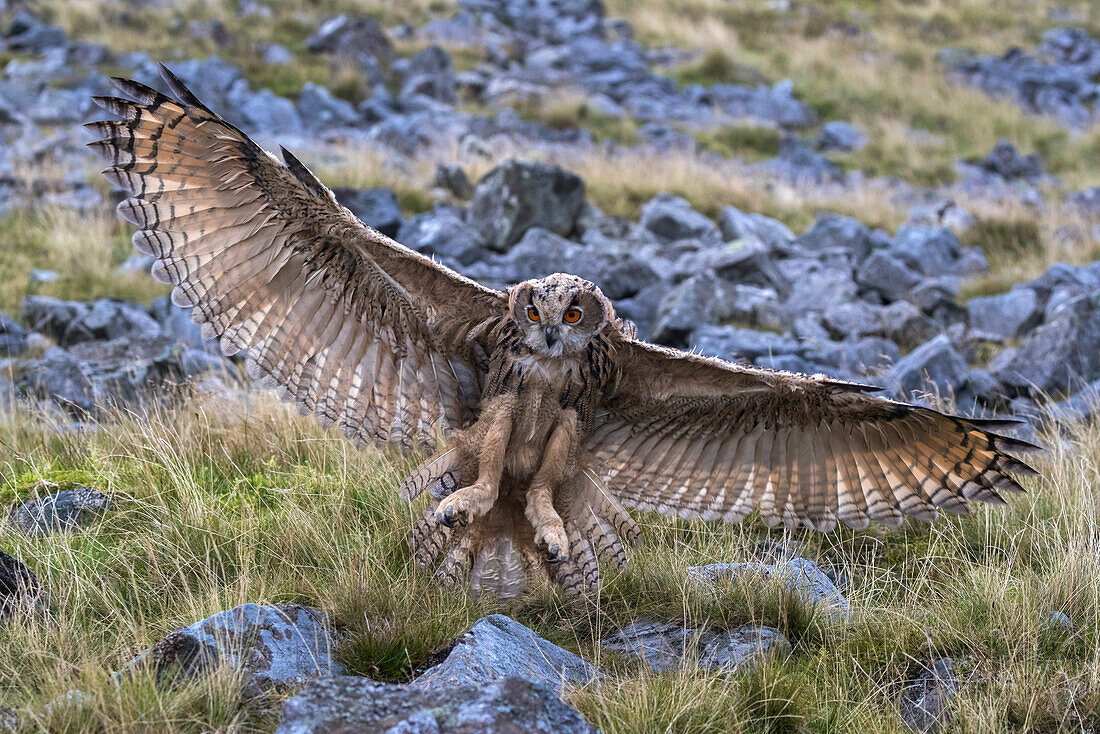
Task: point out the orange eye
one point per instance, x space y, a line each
533 313
572 316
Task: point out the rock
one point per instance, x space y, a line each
669 647
264 111
431 74
443 232
802 577
854 319
836 232
839 136
616 271
924 702
274 646
1005 316
1060 621
886 275
138 262
735 344
928 250
1005 161
39 275
1083 406
935 366
735 224
19 588
508 705
377 207
72 322
275 54
13 337
1060 355
1087 202
685 308
351 36
942 213
319 109
518 195
800 165
28 34
213 80
672 218
453 180
498 646
1063 87
64 510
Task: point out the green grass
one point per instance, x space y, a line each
225 506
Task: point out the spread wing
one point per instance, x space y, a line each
344 321
698 437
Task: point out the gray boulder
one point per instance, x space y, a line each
672 218
19 588
274 646
928 250
264 111
835 232
925 702
518 195
29 34
351 36
729 342
839 136
1004 316
509 705
1087 202
801 576
1060 355
431 74
735 224
687 307
64 510
444 233
13 337
1007 162
615 270
669 647
886 275
935 366
854 319
318 108
377 207
497 647
453 179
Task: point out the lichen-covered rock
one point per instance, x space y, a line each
510 705
801 576
64 510
498 646
666 647
275 646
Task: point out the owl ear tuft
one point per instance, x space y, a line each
519 298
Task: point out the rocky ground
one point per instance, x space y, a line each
724 208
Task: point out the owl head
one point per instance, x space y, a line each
558 315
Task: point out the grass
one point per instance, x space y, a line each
226 504
85 251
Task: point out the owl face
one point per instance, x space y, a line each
559 314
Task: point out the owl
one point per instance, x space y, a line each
544 417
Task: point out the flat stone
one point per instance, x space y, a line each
276 646
668 647
498 646
64 510
508 705
802 577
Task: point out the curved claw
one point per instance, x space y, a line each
447 517
554 555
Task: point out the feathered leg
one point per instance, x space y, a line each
550 535
469 503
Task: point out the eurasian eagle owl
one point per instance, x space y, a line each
552 417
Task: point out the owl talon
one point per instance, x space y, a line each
554 555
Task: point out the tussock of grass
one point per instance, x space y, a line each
84 249
257 504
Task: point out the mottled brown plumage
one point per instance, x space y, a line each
550 415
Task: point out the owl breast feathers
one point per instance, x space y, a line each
548 417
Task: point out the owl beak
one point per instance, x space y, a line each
551 336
